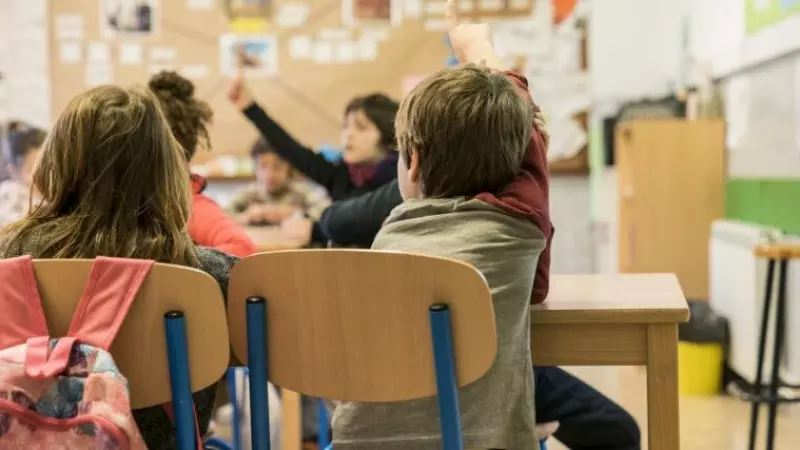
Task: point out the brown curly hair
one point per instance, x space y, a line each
188 116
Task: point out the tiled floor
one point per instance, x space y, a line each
718 423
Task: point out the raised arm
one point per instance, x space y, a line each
302 158
528 195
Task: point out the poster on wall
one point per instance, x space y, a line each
358 12
257 53
760 14
129 18
247 8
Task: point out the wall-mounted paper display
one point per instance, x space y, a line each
300 47
199 4
98 52
130 53
413 8
69 27
195 72
128 18
335 34
492 5
345 52
367 49
356 12
292 15
258 52
379 34
323 52
70 52
163 54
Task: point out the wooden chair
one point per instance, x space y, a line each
296 311
176 305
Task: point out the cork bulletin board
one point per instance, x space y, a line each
315 54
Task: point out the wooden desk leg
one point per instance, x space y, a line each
291 430
663 422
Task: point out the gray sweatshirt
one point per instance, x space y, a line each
497 411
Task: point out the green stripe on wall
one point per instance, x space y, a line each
767 202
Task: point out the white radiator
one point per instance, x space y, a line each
737 280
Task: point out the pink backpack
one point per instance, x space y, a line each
66 393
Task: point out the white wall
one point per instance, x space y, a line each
635 47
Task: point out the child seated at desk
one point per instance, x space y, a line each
463 135
17 193
278 193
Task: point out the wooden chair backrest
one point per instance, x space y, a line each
354 324
139 349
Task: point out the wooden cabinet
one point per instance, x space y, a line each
671 187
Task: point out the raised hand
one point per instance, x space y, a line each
238 92
469 40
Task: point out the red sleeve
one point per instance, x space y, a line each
209 226
528 195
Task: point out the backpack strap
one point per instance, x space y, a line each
107 296
23 316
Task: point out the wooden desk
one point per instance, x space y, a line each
599 320
618 320
271 238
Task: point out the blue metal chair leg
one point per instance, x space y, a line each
323 430
257 365
449 411
180 381
236 408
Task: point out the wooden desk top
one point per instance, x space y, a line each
271 238
612 298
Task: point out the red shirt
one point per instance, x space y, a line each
528 195
209 226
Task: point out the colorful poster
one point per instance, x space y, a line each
760 14
129 18
258 54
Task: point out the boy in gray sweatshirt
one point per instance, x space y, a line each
464 134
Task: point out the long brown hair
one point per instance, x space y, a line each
188 116
113 182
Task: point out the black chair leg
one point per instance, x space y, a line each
762 346
780 324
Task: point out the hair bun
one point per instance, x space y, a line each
173 84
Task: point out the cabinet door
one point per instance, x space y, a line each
671 176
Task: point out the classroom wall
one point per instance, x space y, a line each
636 47
764 164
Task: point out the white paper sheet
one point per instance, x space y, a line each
163 54
130 54
70 52
261 51
98 52
737 111
69 26
199 4
492 5
367 49
323 52
413 8
345 52
292 15
195 72
300 47
567 138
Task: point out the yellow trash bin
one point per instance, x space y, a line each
699 368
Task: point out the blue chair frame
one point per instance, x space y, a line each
180 380
441 337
